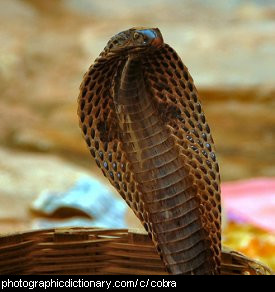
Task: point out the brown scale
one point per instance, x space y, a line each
144 125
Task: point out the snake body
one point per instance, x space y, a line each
144 125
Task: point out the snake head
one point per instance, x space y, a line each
134 40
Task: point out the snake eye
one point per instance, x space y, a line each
136 36
141 38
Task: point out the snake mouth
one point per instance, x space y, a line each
135 50
153 46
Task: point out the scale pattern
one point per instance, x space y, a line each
175 171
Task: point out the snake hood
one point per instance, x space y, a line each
143 122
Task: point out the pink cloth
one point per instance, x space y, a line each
252 201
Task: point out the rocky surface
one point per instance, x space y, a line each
22 177
46 47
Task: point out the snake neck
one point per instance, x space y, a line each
169 195
129 86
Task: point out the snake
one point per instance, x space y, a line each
143 122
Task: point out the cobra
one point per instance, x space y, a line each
143 122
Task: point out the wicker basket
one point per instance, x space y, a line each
96 251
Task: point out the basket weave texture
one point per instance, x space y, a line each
79 251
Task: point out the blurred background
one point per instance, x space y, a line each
47 46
